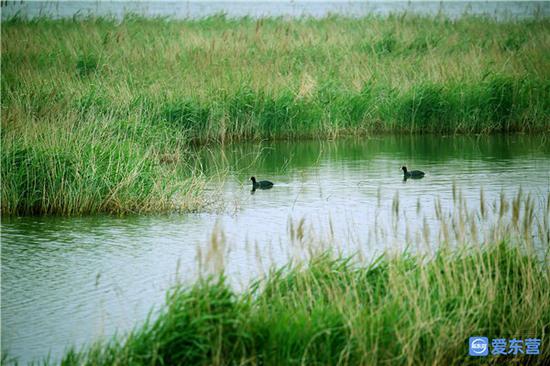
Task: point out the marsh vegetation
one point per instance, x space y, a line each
406 308
139 115
98 115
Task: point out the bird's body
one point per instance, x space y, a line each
415 174
263 184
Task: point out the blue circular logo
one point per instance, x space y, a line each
479 346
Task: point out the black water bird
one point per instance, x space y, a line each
263 184
414 174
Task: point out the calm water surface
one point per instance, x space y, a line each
73 280
256 9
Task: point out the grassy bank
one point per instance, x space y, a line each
223 79
399 310
97 114
72 167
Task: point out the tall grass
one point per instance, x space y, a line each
400 310
220 78
97 166
90 106
406 308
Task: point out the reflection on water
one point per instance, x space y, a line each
72 280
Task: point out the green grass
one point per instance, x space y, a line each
220 78
93 109
400 310
100 166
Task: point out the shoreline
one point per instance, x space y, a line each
99 116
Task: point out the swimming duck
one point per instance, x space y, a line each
415 174
263 184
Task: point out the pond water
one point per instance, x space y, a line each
288 8
68 281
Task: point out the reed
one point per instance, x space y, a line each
108 166
398 309
407 307
91 105
219 78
